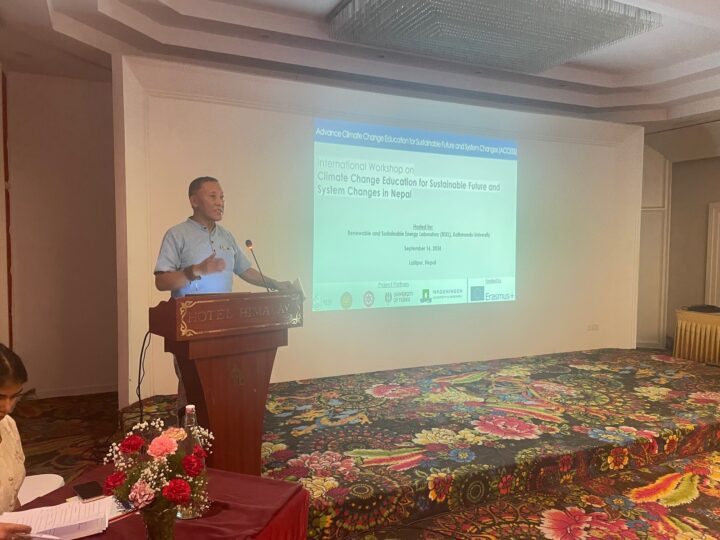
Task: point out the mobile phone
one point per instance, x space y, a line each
89 491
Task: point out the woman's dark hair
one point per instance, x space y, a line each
12 369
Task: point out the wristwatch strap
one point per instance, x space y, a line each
189 274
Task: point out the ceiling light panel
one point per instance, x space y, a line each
528 36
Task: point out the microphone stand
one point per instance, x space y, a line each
249 245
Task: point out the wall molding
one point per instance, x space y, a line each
656 203
6 305
712 274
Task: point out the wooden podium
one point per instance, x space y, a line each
225 346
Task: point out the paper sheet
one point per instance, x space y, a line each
67 520
299 287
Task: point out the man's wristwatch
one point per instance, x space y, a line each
189 274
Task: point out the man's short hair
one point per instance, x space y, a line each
196 184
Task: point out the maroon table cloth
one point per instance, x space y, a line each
243 506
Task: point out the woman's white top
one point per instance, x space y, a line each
12 464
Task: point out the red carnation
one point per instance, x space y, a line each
193 465
131 444
114 481
177 491
199 452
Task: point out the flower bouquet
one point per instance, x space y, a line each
161 472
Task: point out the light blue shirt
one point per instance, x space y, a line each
190 243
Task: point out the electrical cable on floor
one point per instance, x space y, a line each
141 370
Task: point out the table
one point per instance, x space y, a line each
697 336
243 507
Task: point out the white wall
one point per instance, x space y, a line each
579 203
654 249
63 232
695 185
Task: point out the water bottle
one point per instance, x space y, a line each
189 424
190 510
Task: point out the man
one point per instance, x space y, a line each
199 256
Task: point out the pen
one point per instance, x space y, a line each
36 535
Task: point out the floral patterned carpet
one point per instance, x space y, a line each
381 450
66 435
677 500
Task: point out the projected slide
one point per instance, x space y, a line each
411 218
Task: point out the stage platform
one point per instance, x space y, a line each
382 451
678 500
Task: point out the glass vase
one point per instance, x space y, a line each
189 511
199 500
159 524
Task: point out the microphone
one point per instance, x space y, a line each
249 245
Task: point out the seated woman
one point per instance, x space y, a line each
12 460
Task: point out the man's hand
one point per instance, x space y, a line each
171 281
211 265
9 530
284 286
253 276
